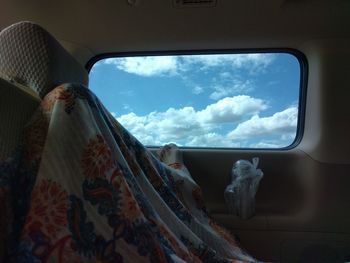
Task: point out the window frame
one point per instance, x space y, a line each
303 66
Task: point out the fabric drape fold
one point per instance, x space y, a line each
83 189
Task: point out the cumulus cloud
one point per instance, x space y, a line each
230 84
170 65
236 86
197 90
212 139
267 144
203 128
284 123
146 66
231 109
255 63
127 107
158 128
186 125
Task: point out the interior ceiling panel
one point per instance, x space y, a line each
117 25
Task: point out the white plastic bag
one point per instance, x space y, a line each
240 194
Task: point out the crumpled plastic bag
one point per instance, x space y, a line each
240 194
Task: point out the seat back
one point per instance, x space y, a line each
32 63
16 108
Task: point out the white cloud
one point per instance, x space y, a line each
282 123
197 90
170 65
212 139
288 136
236 86
264 144
231 109
254 63
229 84
191 127
127 107
186 126
146 66
158 128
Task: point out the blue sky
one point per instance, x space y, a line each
229 100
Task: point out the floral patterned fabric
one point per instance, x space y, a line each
82 189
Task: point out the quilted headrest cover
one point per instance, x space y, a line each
29 55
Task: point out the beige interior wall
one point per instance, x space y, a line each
303 203
327 120
299 198
303 199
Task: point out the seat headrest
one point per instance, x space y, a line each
30 56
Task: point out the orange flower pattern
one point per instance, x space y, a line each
34 138
97 158
49 204
112 202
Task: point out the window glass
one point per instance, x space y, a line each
223 100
